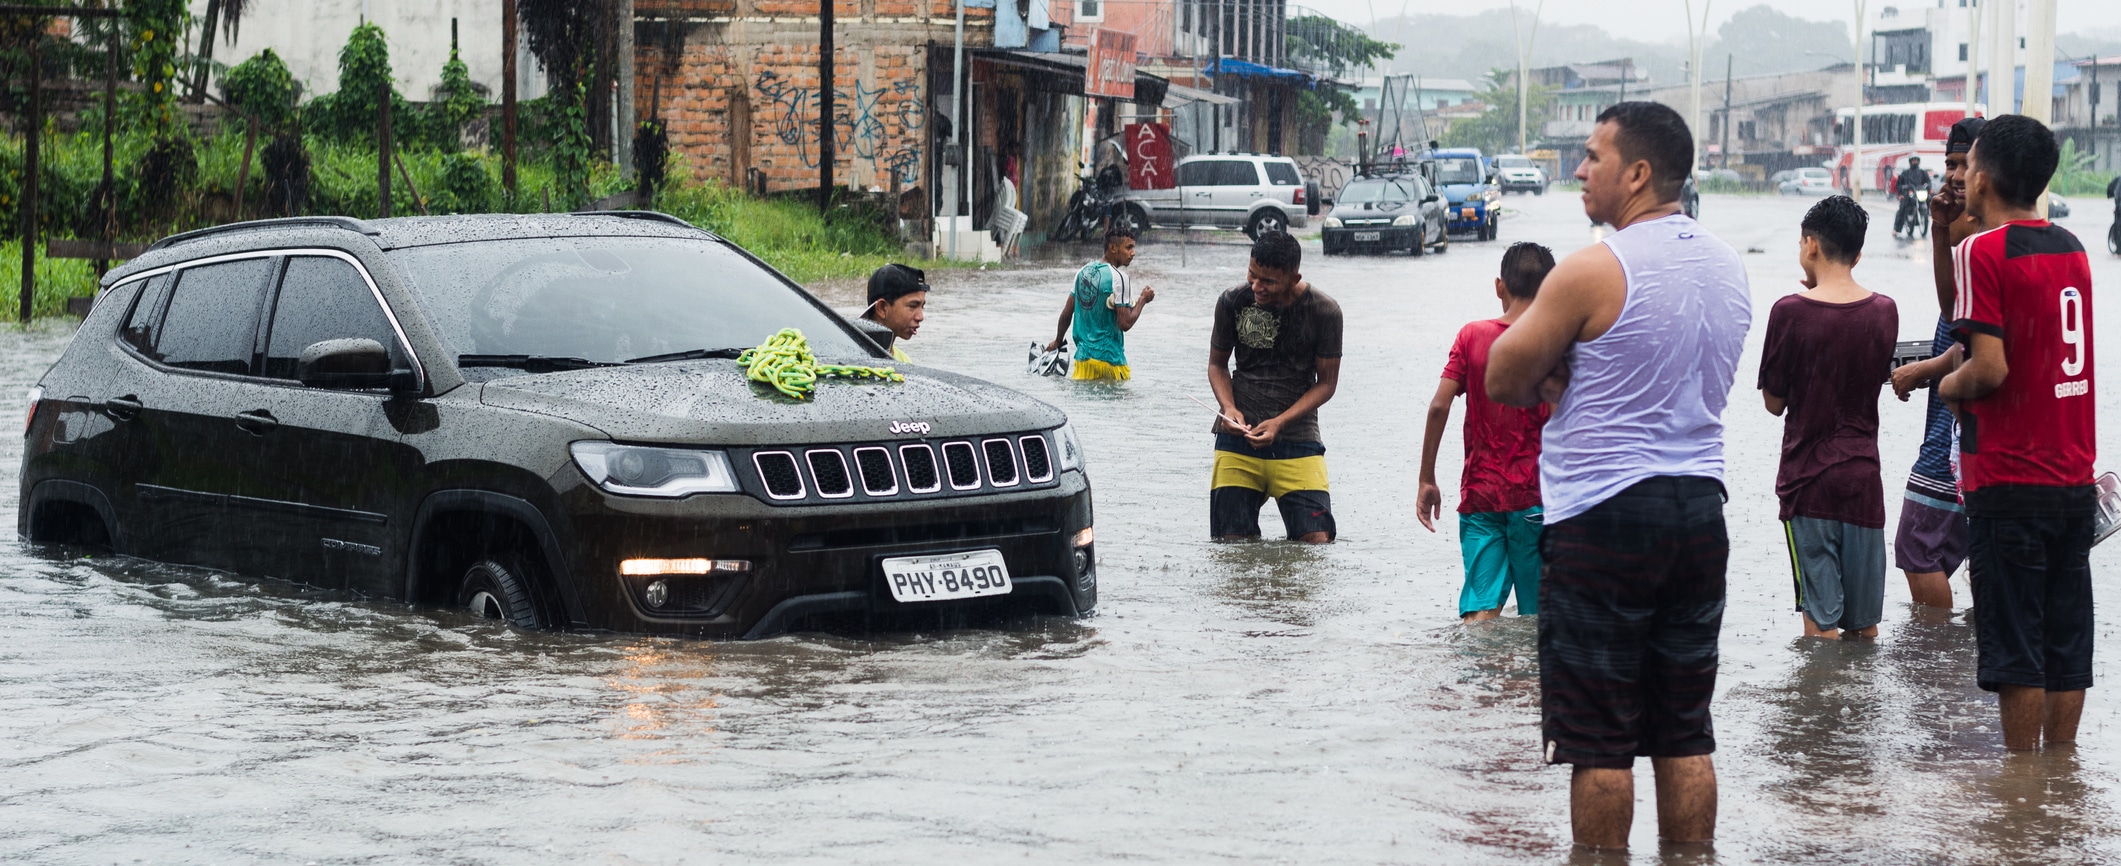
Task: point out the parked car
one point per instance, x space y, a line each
538 419
1469 197
1385 214
1690 199
1517 173
1804 181
1249 191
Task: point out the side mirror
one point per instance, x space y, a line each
1428 198
350 364
876 332
1325 203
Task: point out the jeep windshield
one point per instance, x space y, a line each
564 303
1457 171
1376 192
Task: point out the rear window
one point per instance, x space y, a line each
611 299
1513 162
1283 174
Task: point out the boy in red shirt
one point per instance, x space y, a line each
1498 508
2027 424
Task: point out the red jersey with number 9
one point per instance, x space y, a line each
2028 283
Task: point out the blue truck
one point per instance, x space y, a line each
1462 175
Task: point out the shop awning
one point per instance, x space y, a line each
1064 73
1248 69
1181 95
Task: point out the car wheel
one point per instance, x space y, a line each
1539 190
1267 220
1420 244
498 588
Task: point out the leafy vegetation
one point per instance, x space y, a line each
2074 175
1495 129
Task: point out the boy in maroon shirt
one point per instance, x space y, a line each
2026 435
1498 507
1825 359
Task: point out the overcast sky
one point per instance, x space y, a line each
1665 20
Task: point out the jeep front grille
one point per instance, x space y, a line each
778 472
870 472
875 465
828 467
922 476
1001 463
1038 462
964 465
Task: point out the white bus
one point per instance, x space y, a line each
1891 134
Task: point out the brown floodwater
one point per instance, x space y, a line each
1251 703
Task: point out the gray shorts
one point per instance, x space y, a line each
1839 569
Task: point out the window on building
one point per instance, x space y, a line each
1089 10
1962 50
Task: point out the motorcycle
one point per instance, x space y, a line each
1101 198
1914 213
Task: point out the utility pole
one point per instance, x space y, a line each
1727 60
30 169
1524 60
1856 159
2003 64
957 120
508 100
2040 68
1694 39
383 149
824 106
624 112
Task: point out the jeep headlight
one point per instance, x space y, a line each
639 470
1331 222
1406 220
1071 448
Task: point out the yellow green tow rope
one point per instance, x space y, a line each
784 361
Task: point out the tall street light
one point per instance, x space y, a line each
2040 67
1856 159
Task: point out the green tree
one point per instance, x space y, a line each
460 103
262 88
1328 47
349 115
155 30
1495 129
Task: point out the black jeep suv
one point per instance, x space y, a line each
539 419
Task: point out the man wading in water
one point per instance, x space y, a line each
1635 340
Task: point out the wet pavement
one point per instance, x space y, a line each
1253 703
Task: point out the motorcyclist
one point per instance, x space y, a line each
1912 179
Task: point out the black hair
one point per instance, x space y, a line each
2019 156
894 281
1278 250
1839 223
1914 160
1118 233
1656 134
1524 267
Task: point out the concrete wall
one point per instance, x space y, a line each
309 34
739 83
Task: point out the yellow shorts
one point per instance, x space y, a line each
1274 477
1088 369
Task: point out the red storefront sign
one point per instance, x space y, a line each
1111 71
1149 161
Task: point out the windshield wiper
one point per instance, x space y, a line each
687 355
530 363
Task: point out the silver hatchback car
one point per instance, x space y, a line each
1250 191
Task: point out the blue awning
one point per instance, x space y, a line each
1246 68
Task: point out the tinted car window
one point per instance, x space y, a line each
212 323
322 299
1283 174
1200 173
146 321
1372 191
610 299
1235 172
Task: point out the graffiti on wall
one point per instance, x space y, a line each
1330 173
863 123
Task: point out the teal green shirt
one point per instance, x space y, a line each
1100 290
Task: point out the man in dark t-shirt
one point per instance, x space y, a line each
1828 353
1285 338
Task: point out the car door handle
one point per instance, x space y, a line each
123 408
256 422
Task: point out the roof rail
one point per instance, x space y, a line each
339 222
652 215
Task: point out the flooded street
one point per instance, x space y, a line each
1252 703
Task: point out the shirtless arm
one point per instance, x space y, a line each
1980 374
1067 318
1580 299
1126 316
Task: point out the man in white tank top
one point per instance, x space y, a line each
1635 341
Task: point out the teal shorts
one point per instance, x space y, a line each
1502 551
